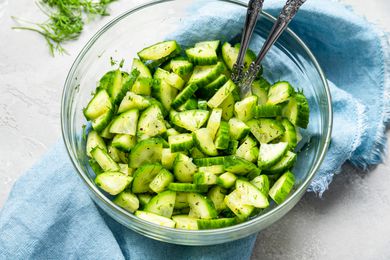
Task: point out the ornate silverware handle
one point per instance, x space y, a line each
286 15
254 8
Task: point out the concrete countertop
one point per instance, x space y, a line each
351 221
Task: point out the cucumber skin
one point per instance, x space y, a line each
187 187
216 223
279 195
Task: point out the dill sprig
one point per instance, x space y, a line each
65 21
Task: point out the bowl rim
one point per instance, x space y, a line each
269 214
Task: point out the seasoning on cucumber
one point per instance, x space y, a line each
175 145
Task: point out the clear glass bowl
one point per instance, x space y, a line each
154 22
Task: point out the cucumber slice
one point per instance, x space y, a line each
102 121
228 107
209 44
190 104
205 178
125 123
265 129
245 109
217 196
285 163
95 166
221 94
172 132
124 142
164 92
184 168
105 132
222 139
262 183
162 204
144 198
187 187
116 154
279 92
143 86
167 158
230 54
226 180
210 89
113 182
290 135
185 222
214 169
158 53
267 110
94 140
250 195
124 168
181 142
202 55
269 154
202 104
238 129
252 154
232 148
143 176
133 101
106 80
297 110
104 160
196 153
190 120
214 121
282 187
171 78
127 200
201 206
216 223
181 201
144 71
260 89
235 203
122 83
161 181
209 161
246 145
151 123
155 219
184 95
181 67
204 142
99 105
238 165
203 75
146 151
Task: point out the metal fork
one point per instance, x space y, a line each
286 15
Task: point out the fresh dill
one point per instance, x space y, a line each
66 19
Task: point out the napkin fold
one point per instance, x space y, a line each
49 214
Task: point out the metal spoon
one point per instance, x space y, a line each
286 15
254 8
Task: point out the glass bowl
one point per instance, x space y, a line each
289 59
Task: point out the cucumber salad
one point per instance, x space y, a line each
172 142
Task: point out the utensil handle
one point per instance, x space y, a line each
254 8
286 15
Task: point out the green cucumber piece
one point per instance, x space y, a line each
144 71
210 89
209 44
214 169
151 123
290 135
250 195
116 154
216 223
94 140
181 200
104 160
124 168
228 107
214 121
162 204
285 163
124 142
95 166
164 92
99 105
146 151
113 182
238 129
202 55
217 196
155 219
127 200
190 120
237 165
171 78
267 110
260 89
203 75
202 104
261 182
105 133
161 181
226 180
121 84
235 203
201 206
185 222
133 101
282 187
209 161
190 104
297 110
184 168
167 158
106 80
246 145
143 176
270 154
279 92
143 86
205 178
181 67
204 142
187 187
158 53
125 123
265 129
144 198
184 95
181 142
230 54
244 110
196 153
221 94
222 139
232 148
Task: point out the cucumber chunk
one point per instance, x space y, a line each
279 92
94 140
99 105
181 201
144 71
158 53
184 95
203 75
230 54
124 142
155 219
235 203
244 110
162 204
226 180
205 178
167 158
127 200
214 169
204 142
238 129
144 198
222 139
217 196
116 154
143 176
267 110
185 222
104 160
146 151
216 223
151 123
112 182
133 101
261 182
190 104
121 84
201 206
208 161
214 121
282 187
285 163
260 89
237 165
164 92
265 129
290 135
143 86
228 107
181 67
171 78
187 187
209 44
269 154
221 94
250 195
190 120
161 181
297 110
183 168
210 89
125 123
202 55
181 142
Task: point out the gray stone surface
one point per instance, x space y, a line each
350 222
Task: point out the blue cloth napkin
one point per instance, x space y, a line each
49 215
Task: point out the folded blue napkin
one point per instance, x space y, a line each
49 214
